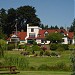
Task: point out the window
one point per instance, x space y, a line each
39 35
46 33
45 41
32 35
63 40
42 41
32 29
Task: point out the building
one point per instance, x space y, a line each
38 34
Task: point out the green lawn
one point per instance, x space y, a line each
42 73
37 61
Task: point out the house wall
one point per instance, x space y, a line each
38 41
36 31
65 40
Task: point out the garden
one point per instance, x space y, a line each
37 59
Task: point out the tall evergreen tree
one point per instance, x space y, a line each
72 27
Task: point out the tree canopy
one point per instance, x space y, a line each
72 27
54 37
23 14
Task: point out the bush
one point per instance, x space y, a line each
53 46
54 54
65 46
32 68
10 46
60 49
44 48
43 67
62 66
25 53
20 46
47 53
41 52
35 48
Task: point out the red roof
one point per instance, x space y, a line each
20 35
71 35
42 32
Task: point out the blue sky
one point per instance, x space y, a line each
51 12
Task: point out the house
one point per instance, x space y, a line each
38 34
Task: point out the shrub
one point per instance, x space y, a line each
20 46
39 44
53 46
47 53
32 68
43 67
60 49
54 54
41 52
35 48
44 48
10 46
25 53
62 66
65 46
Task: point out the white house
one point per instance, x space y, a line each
38 34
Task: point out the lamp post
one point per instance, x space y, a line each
16 34
16 26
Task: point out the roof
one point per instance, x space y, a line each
71 35
20 35
42 32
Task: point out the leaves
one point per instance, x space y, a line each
54 37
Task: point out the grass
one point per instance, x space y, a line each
65 57
42 73
37 61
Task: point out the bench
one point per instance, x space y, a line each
12 70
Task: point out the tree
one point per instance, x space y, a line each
56 27
72 27
24 15
54 37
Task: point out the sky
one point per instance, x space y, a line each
50 12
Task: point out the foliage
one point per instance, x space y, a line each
65 46
35 48
54 37
10 46
20 62
47 53
44 48
34 42
73 62
53 54
53 46
72 27
43 67
22 15
2 47
58 47
41 52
